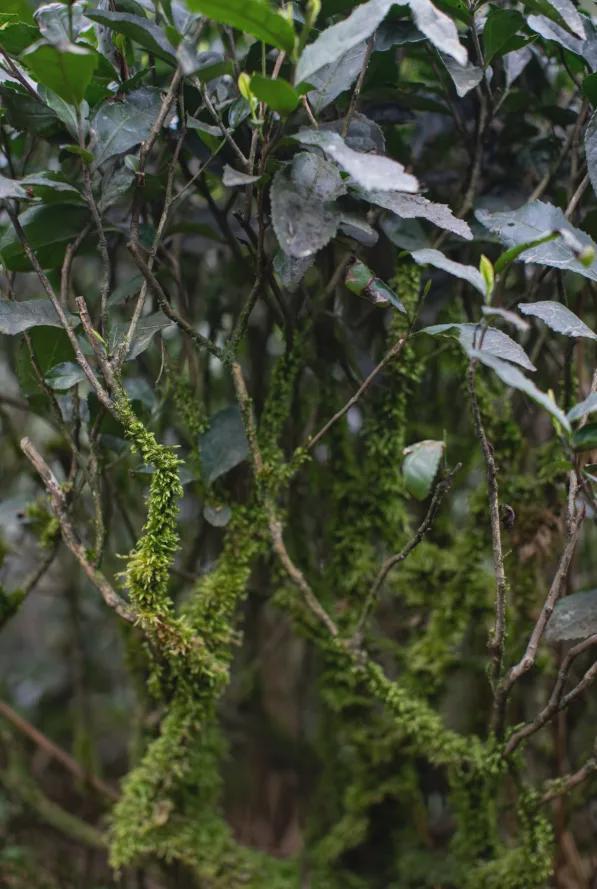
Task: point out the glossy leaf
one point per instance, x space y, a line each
500 26
48 229
277 94
139 29
255 17
65 69
585 438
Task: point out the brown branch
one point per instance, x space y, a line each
59 507
55 752
554 704
99 390
564 785
166 307
528 659
275 525
496 644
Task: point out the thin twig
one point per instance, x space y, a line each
496 643
441 489
59 507
55 752
392 353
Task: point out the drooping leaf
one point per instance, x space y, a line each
439 261
513 377
16 317
411 206
574 617
511 317
232 178
439 28
464 77
558 318
489 340
361 280
334 42
580 410
277 94
333 79
369 171
420 466
48 229
500 26
146 329
357 228
515 62
532 222
120 124
255 17
66 69
51 188
224 445
138 29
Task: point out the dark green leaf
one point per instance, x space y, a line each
138 29
500 26
48 229
253 16
278 95
120 124
67 70
585 439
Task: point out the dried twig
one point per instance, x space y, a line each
59 507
